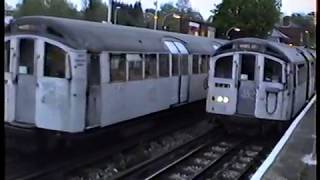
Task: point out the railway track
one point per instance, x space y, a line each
53 166
221 157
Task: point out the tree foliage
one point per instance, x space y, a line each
254 17
307 23
94 10
58 8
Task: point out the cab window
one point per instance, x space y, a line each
175 64
26 56
223 67
54 62
272 71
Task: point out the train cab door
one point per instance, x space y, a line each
25 80
272 87
247 79
223 83
9 76
61 88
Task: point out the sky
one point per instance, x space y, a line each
204 6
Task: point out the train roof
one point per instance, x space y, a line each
97 37
282 51
308 53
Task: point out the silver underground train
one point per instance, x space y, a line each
253 80
68 76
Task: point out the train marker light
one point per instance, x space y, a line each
225 99
220 99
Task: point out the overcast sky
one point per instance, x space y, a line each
204 6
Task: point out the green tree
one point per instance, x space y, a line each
254 17
94 10
59 8
308 25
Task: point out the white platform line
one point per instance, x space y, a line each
266 164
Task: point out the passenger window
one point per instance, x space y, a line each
204 63
26 56
247 67
135 66
7 56
150 66
223 67
195 64
55 61
184 64
117 67
164 65
272 71
175 65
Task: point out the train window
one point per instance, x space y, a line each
175 65
118 67
7 56
184 64
302 74
248 66
150 66
195 64
94 70
55 61
26 57
173 49
135 66
204 66
181 48
272 71
164 65
223 67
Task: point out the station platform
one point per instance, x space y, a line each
294 157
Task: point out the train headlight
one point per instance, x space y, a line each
220 99
225 99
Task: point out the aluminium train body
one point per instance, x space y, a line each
70 76
252 79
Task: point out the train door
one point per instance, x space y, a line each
271 89
26 81
61 98
222 92
9 76
247 84
184 78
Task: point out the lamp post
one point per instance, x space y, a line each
155 15
232 28
174 15
116 14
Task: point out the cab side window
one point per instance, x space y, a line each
204 63
272 71
7 56
54 62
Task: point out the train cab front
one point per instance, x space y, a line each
246 84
